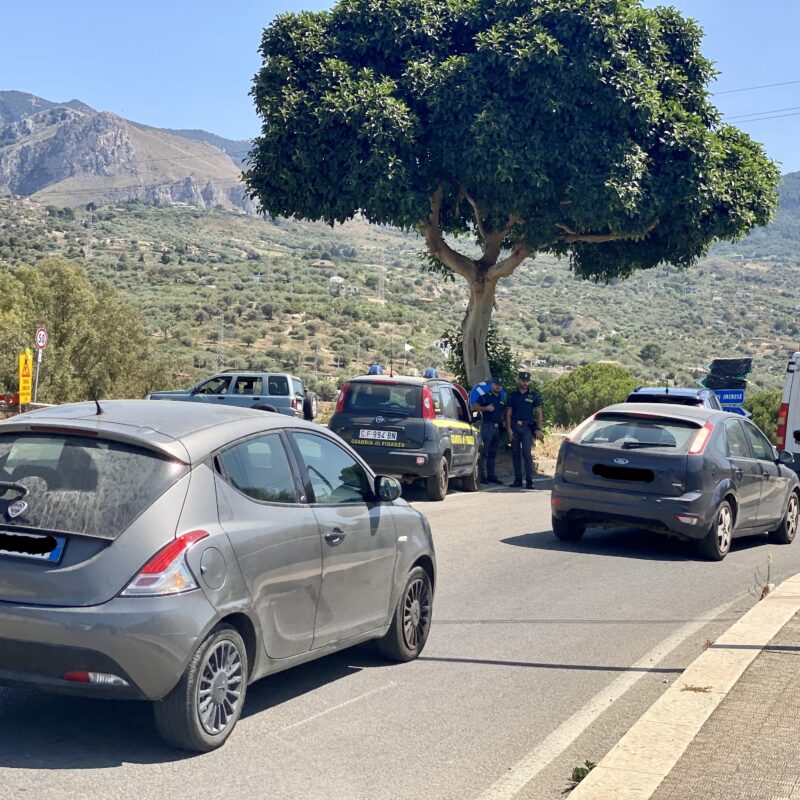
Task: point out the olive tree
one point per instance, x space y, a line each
500 129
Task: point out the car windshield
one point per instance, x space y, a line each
79 484
631 432
382 398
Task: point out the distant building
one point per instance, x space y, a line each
321 263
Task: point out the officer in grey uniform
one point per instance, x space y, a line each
491 405
523 418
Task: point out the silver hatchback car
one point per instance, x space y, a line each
175 553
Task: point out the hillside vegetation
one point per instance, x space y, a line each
218 288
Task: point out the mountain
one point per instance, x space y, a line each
68 154
237 149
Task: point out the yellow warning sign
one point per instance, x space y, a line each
25 377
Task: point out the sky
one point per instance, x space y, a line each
182 64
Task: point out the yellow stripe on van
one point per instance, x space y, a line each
451 423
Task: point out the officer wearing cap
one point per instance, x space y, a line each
523 420
491 404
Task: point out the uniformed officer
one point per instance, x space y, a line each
491 405
523 419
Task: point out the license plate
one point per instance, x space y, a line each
32 546
379 436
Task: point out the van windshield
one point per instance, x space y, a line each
79 484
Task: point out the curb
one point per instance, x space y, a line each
635 767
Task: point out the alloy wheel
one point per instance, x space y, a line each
792 515
219 689
416 613
724 529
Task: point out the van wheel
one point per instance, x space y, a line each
567 530
309 406
717 542
787 530
436 485
200 713
472 482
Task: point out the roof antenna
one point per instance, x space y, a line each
93 393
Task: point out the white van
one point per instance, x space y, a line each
789 414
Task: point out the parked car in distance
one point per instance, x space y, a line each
264 391
789 412
695 473
176 554
703 398
412 428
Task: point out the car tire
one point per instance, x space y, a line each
411 621
717 542
436 485
567 530
787 530
310 406
472 482
218 669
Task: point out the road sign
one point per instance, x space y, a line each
730 397
735 410
41 338
25 377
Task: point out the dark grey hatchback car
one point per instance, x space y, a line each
695 473
177 552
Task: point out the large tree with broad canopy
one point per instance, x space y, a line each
582 128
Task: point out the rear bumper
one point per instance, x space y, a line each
399 463
596 506
146 641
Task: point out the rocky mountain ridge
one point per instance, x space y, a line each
68 154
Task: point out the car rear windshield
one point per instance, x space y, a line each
79 484
634 432
381 398
672 399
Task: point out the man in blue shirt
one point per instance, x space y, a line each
523 418
491 406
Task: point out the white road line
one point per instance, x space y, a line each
565 734
341 705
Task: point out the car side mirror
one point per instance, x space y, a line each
785 458
796 435
387 489
475 415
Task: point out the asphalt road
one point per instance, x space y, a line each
541 655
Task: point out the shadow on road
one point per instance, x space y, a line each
625 543
415 492
52 732
546 665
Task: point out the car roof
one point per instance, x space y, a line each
678 391
186 431
697 414
405 380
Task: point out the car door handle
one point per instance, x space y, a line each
739 473
336 536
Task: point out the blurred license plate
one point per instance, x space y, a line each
32 546
386 436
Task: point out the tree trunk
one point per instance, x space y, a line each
475 326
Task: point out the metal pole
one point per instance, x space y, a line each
36 382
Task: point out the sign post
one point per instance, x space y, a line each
41 341
25 377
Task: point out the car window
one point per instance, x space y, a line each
216 385
278 385
447 410
737 441
297 386
762 449
260 469
335 476
382 398
459 406
622 430
247 384
78 484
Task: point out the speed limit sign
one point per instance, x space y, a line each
41 338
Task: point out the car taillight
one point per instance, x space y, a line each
701 439
783 415
167 571
295 404
576 432
428 410
342 397
101 678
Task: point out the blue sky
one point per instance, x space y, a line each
181 64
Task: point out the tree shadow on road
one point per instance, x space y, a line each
625 543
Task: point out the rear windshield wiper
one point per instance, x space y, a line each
637 445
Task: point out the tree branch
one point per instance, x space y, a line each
476 212
504 268
431 230
493 243
571 237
